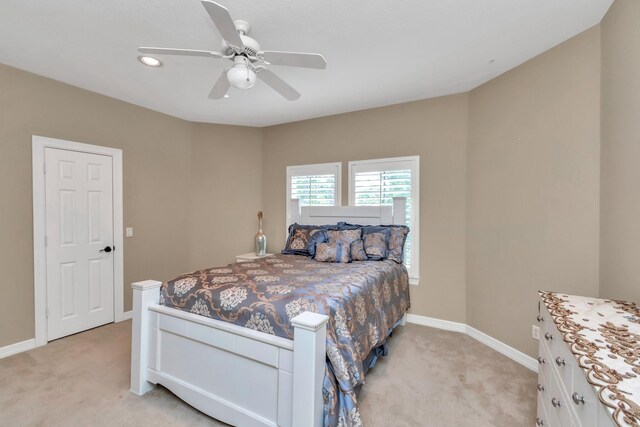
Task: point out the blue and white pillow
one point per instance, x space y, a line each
397 239
316 236
376 242
333 252
357 251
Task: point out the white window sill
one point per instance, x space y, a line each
414 281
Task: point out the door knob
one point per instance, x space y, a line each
108 249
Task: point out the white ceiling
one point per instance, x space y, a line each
378 52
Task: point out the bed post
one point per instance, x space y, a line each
145 293
294 206
399 210
309 360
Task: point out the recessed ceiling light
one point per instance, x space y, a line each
150 61
226 96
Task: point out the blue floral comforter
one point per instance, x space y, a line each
363 300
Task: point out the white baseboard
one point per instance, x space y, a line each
436 323
513 354
19 347
16 348
500 347
124 316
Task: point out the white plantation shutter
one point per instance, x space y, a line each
377 182
314 190
314 185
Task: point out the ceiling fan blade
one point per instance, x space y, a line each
278 85
295 59
221 17
183 52
221 87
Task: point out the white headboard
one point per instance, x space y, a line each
365 215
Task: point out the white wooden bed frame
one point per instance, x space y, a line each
235 374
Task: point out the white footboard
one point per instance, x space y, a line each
234 374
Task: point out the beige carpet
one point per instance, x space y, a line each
431 378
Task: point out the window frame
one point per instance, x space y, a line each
334 168
407 162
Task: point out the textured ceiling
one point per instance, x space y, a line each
378 52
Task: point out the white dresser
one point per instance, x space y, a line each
586 357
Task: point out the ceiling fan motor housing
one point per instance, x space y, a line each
251 47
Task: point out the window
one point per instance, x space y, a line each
377 182
314 185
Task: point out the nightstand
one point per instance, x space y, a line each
251 256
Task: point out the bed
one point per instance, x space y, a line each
262 354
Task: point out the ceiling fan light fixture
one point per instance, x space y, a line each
150 61
241 76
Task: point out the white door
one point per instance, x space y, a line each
79 230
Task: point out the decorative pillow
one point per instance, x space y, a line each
376 241
397 239
344 236
298 239
357 251
346 226
333 252
316 236
299 235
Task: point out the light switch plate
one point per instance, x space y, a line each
535 332
129 232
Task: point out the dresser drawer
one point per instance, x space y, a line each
544 367
584 401
542 416
559 357
542 419
549 333
557 404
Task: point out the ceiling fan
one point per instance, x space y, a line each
249 61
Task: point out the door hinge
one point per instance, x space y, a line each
46 241
44 168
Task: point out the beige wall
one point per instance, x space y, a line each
158 154
435 129
533 188
620 205
225 193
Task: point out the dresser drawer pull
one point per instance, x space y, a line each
540 319
540 360
548 336
539 422
559 361
540 387
577 399
555 402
